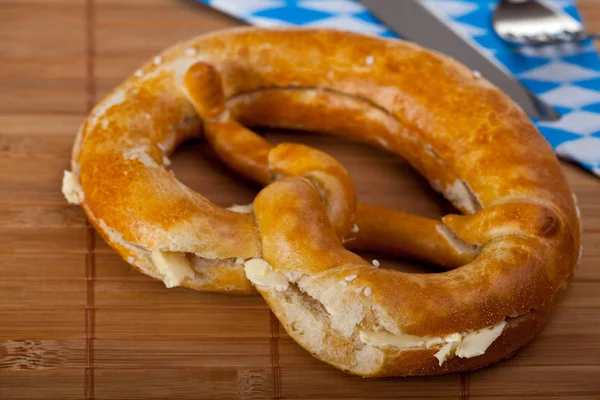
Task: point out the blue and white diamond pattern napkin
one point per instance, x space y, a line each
567 77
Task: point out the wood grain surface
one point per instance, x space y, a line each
76 322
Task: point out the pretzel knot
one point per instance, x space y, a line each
516 243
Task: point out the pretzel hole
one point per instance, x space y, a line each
197 166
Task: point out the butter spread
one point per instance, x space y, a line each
173 266
260 272
476 343
381 339
464 345
447 351
242 209
71 188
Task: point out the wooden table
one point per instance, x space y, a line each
76 322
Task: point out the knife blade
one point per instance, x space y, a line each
413 21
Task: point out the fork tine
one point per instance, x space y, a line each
532 39
536 23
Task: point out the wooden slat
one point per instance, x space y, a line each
30 354
38 294
570 338
316 379
31 191
548 381
152 293
167 354
174 324
33 169
587 296
46 267
42 324
41 216
42 240
44 384
38 135
189 383
43 57
589 268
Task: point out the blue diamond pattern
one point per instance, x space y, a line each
476 18
487 41
592 84
572 11
540 72
539 87
589 60
595 108
298 15
557 137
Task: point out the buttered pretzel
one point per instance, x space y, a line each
517 242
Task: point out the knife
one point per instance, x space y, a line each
413 21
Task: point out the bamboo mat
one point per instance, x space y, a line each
76 322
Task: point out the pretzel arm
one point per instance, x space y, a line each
377 228
393 232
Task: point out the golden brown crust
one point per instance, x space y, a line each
517 333
470 141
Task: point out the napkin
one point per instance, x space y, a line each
565 76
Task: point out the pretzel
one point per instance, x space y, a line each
517 244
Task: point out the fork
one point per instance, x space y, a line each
531 22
